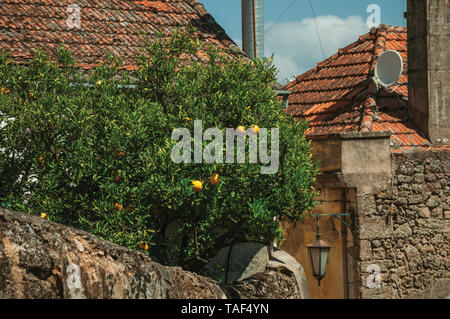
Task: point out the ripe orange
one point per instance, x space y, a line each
255 129
143 245
214 179
197 186
240 129
118 207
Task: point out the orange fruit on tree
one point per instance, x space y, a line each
197 186
240 129
214 179
255 129
143 245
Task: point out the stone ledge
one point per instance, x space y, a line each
41 259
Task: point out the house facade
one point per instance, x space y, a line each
385 163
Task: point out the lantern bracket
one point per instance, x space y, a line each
338 216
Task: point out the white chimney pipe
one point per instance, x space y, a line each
253 28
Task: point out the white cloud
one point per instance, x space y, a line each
296 47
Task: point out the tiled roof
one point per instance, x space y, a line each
338 95
105 26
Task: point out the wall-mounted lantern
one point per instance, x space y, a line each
319 249
318 254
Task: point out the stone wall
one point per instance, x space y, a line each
40 259
405 229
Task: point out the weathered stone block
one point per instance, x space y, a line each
406 168
243 261
415 199
411 253
403 231
417 188
424 212
401 201
404 179
447 214
433 202
419 178
376 244
280 258
378 253
374 228
419 169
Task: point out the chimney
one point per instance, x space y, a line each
253 28
428 67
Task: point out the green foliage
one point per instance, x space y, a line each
98 156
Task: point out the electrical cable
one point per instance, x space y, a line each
317 29
279 17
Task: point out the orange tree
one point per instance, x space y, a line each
94 151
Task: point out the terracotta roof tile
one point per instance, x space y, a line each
339 96
106 26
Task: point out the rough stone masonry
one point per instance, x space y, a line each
405 229
40 259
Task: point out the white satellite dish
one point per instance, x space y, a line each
389 68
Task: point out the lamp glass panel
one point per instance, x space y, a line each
324 252
315 259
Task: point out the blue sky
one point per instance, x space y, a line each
293 39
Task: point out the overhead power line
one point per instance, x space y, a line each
317 29
279 17
315 19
